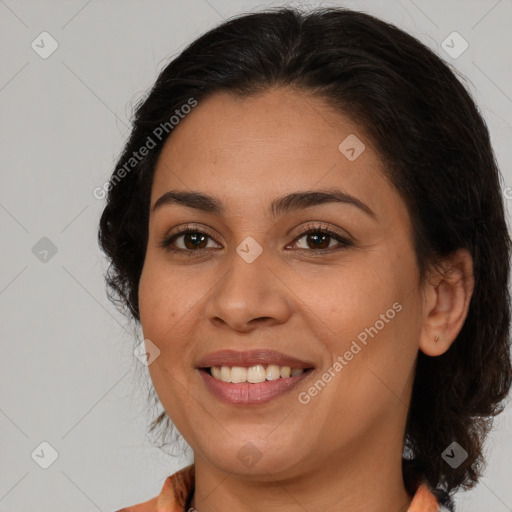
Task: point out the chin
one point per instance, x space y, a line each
257 458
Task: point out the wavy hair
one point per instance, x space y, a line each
436 152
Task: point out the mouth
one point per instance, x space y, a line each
253 374
252 377
240 391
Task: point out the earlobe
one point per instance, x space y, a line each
446 303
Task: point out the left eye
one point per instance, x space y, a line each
321 239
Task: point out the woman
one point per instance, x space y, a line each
307 224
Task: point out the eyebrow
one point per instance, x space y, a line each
279 206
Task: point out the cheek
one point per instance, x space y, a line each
154 304
370 317
163 313
348 301
166 295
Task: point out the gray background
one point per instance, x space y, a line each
68 374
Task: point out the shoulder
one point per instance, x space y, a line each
147 506
425 500
173 497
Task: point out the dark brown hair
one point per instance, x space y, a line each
437 153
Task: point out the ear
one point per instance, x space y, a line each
446 298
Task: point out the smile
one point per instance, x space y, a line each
243 392
253 374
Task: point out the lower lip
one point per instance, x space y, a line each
245 393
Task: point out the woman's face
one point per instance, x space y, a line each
349 312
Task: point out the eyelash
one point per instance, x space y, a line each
309 229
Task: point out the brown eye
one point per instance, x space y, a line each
194 240
187 241
318 240
321 238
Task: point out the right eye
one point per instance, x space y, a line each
191 240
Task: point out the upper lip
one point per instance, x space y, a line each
251 358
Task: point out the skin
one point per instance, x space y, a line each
326 454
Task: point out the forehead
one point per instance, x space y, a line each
247 149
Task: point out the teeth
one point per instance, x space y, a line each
238 374
253 374
273 372
256 374
225 373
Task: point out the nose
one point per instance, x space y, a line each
250 295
